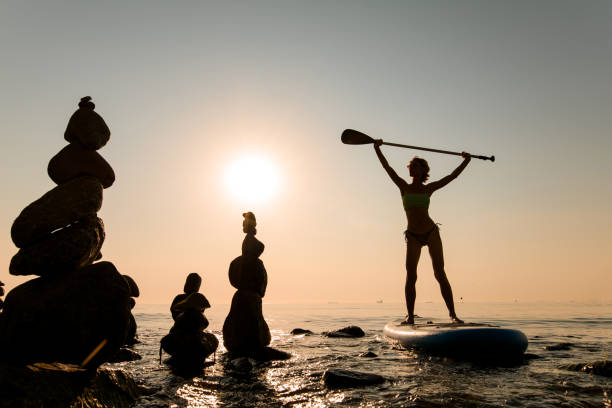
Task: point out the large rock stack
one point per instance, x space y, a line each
187 342
75 306
245 332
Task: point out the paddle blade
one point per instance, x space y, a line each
354 137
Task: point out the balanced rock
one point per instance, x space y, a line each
248 273
69 248
59 207
188 346
134 291
86 127
245 330
74 161
252 247
64 318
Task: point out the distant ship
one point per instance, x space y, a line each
379 301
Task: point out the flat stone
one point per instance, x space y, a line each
64 318
64 250
58 208
87 128
349 331
347 379
74 161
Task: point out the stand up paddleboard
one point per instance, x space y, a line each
471 340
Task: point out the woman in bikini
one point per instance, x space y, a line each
422 230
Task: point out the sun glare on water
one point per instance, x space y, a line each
252 179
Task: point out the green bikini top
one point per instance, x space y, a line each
412 200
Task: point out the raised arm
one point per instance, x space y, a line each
436 185
399 182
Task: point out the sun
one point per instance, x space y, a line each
252 179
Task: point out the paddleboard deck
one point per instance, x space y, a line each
459 339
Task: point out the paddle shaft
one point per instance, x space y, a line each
492 158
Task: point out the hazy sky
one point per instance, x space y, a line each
189 88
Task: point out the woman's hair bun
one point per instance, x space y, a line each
86 103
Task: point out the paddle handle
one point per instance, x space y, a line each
492 158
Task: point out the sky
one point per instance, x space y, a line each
191 89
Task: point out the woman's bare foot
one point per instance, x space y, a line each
408 320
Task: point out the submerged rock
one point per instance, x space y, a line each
560 346
300 331
58 208
603 368
69 248
65 385
65 318
125 354
347 379
270 354
368 354
74 161
349 331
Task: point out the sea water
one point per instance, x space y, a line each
413 379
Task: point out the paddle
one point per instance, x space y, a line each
355 137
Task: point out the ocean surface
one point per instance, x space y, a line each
413 379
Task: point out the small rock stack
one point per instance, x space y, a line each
187 342
245 331
75 306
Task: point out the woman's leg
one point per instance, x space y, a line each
437 259
413 253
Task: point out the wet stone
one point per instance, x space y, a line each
349 331
125 354
300 331
348 379
603 368
559 346
368 354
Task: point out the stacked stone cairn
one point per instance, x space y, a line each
76 311
187 342
245 332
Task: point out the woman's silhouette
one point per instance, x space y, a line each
422 230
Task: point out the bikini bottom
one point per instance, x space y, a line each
422 238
